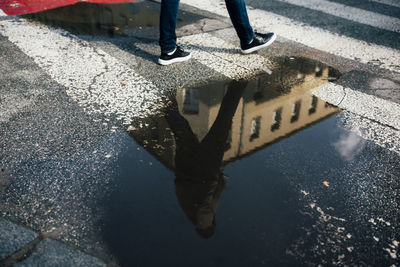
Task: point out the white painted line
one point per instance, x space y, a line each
2 14
94 79
343 46
364 105
350 13
224 57
395 3
368 116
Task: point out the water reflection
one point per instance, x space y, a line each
100 19
206 128
349 145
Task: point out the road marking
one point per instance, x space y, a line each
395 3
350 13
384 57
364 105
368 116
224 57
94 79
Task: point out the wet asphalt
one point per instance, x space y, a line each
308 192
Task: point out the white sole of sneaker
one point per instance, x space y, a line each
253 49
175 60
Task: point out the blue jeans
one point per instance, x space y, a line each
169 13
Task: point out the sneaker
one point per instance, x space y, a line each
176 56
259 41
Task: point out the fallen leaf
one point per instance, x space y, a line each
326 183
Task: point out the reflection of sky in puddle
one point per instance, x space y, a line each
97 19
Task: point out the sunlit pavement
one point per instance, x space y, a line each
89 149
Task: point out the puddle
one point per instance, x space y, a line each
100 19
248 173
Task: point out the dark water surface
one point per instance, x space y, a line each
250 174
275 209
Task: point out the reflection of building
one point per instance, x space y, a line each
272 106
98 18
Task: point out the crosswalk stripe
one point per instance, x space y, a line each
94 79
224 57
350 13
350 48
368 116
395 3
364 105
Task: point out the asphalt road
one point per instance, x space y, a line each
72 90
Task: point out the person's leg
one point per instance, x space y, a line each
238 14
168 18
249 41
170 52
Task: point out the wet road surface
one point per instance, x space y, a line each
219 172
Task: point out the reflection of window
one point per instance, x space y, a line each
313 106
255 128
295 111
276 119
191 101
318 71
258 93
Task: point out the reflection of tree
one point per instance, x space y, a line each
199 179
